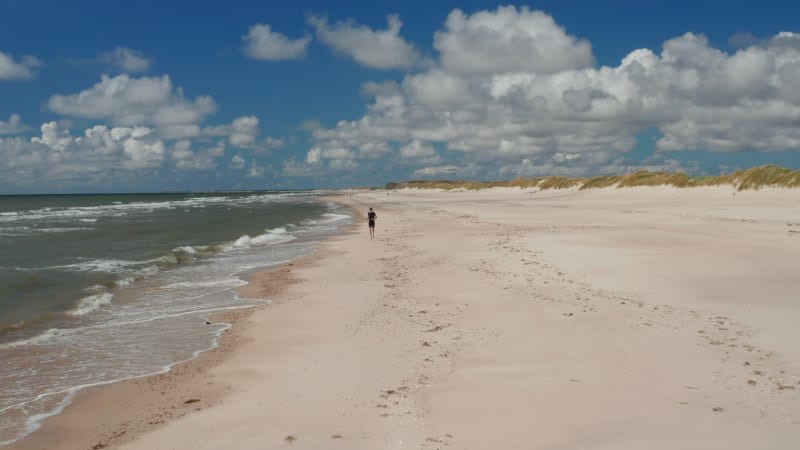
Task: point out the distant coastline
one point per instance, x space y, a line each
746 179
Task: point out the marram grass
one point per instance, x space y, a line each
753 178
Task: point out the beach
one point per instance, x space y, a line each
647 317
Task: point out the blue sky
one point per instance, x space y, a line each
110 96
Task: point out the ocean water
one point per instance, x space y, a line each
96 289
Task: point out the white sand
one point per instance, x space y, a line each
639 318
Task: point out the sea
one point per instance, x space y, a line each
96 289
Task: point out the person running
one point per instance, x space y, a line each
371 216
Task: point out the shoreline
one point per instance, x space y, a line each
146 401
150 401
494 320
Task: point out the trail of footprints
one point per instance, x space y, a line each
793 228
539 280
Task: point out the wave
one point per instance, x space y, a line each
271 237
90 214
178 255
225 282
331 217
91 303
102 265
34 422
54 334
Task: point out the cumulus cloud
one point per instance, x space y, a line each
18 70
314 155
255 170
378 49
263 43
244 131
147 127
466 171
130 101
237 162
204 159
294 168
417 149
509 40
127 60
512 86
13 125
100 154
271 143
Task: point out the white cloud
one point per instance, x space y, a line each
127 60
386 88
340 165
509 40
417 149
378 49
271 143
374 149
319 161
187 159
294 168
54 137
263 43
314 155
244 131
564 116
14 125
440 89
13 70
337 153
180 131
237 162
447 170
99 154
134 101
255 171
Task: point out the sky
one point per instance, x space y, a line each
152 96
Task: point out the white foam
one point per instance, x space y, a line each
243 241
269 239
275 236
92 303
34 422
333 217
225 282
61 229
39 339
187 249
122 282
148 271
100 265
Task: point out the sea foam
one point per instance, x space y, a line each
91 303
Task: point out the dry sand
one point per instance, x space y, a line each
639 318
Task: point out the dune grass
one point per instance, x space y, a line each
753 178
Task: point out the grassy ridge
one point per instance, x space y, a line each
754 178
